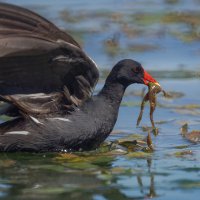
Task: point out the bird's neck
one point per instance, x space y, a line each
103 110
113 92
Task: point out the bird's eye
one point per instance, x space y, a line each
137 69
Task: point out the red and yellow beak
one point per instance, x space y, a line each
148 78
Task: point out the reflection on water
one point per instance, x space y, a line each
165 37
28 179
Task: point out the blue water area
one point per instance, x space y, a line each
164 36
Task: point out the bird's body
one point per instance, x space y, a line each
85 128
47 79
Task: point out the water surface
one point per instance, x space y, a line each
165 37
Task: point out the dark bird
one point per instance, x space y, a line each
46 83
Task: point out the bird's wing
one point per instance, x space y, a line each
37 57
31 65
18 21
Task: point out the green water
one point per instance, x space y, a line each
165 37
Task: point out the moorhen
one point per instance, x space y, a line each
46 82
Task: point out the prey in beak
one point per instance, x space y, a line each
149 79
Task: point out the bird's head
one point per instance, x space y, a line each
128 71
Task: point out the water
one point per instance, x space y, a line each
109 31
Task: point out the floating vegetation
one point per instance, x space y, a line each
112 45
189 18
136 143
174 95
191 107
142 47
187 110
174 74
131 31
172 1
147 18
189 184
181 146
187 36
69 17
185 153
106 153
193 136
139 155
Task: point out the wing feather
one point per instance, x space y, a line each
37 57
15 20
